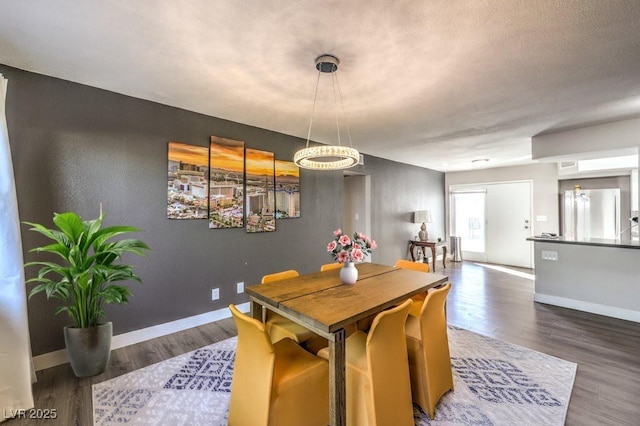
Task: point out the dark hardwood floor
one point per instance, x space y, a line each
483 299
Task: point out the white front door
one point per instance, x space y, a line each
508 224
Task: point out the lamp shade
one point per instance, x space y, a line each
422 216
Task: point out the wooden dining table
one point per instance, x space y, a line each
320 302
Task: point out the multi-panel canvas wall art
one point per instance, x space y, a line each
187 181
287 189
260 200
234 187
226 185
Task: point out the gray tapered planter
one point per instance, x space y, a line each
89 348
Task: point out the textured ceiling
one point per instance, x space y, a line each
431 83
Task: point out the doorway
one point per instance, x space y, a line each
493 221
356 204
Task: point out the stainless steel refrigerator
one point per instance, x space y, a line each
591 213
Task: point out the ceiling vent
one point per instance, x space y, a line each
567 164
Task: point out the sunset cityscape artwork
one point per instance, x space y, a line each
187 180
226 184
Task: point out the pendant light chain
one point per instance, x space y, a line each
334 79
313 109
344 114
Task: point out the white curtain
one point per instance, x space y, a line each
16 368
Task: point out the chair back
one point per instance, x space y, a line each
389 368
252 372
291 273
435 343
330 266
416 266
433 316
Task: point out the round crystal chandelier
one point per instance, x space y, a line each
327 157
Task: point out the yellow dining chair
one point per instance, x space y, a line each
377 372
418 299
277 276
428 348
275 384
416 266
330 266
280 327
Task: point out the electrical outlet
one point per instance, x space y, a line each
240 287
549 255
215 293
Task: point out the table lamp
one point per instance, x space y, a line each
424 217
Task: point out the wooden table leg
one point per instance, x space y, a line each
411 247
256 310
433 258
337 384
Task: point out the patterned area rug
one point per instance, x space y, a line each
496 383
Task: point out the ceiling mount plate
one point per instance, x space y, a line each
327 63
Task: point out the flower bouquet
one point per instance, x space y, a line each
344 249
349 250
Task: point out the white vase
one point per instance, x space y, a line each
348 273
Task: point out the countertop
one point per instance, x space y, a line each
604 242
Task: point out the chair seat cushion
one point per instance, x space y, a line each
355 352
280 327
299 389
412 327
414 342
418 300
294 365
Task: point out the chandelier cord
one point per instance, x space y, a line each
344 114
313 109
335 104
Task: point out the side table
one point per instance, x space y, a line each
431 244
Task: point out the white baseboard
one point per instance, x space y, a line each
52 359
594 308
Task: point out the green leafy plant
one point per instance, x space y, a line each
84 277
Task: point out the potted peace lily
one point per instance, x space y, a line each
83 280
348 251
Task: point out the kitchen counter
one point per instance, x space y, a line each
603 242
600 276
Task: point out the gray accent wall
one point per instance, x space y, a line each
75 147
398 191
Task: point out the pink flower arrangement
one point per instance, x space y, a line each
350 249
